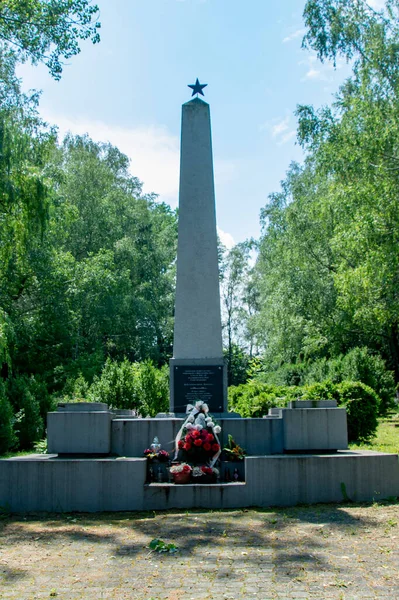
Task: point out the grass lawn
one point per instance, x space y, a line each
14 454
387 438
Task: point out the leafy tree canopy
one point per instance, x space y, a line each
48 31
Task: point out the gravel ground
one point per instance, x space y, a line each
340 552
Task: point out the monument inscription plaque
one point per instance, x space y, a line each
192 383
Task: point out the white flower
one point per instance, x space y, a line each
190 419
217 429
211 424
205 407
197 472
200 420
199 404
198 427
208 420
189 426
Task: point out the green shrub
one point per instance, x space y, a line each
8 438
289 374
28 424
116 386
318 391
153 388
41 447
138 386
238 363
46 402
361 403
359 364
80 389
254 399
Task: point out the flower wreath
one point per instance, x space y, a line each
199 430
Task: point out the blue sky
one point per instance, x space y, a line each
129 89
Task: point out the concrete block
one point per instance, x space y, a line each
315 429
77 432
63 485
130 437
198 495
124 412
274 412
256 436
287 480
82 407
312 404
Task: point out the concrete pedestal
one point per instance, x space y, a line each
47 483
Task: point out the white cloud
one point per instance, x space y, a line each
377 4
294 35
315 74
312 72
318 71
153 151
226 238
280 129
287 137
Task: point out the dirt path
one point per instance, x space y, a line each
327 551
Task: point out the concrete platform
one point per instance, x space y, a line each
301 429
53 484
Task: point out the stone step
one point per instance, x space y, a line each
195 485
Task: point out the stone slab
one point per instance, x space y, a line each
199 495
198 362
130 437
291 430
82 407
312 404
79 432
91 485
64 485
256 436
287 480
198 382
310 429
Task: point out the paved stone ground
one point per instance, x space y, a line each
337 552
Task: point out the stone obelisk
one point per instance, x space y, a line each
197 367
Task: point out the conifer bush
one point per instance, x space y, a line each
28 423
8 438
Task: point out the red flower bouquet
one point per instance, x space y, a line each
205 474
197 446
197 441
181 473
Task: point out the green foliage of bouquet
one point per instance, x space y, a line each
233 452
